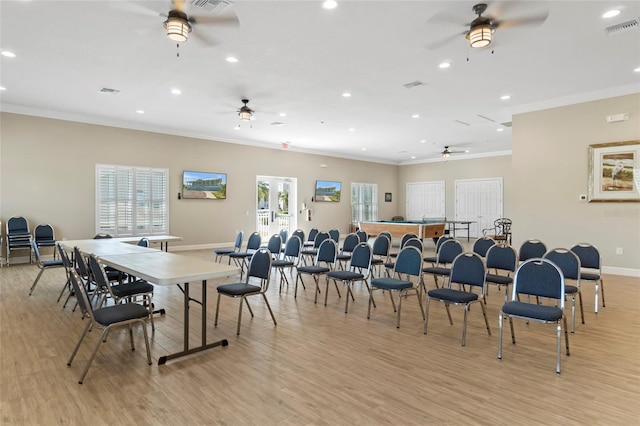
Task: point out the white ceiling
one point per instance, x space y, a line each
298 58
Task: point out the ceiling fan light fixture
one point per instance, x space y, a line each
177 26
446 154
245 115
480 36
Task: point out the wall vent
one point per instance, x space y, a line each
217 6
109 91
414 84
622 27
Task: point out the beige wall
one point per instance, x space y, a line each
550 171
48 174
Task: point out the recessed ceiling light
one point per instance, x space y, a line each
423 141
2 88
637 70
140 111
413 157
283 114
176 91
505 97
237 127
500 129
415 116
364 149
611 13
445 65
232 59
8 54
352 129
346 95
329 4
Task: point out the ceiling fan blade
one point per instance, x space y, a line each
534 20
208 41
227 19
443 42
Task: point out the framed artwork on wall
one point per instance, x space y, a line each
614 172
204 185
387 197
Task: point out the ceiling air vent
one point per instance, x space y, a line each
109 91
462 122
622 27
277 123
414 84
486 118
507 124
217 6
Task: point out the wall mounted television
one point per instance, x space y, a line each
204 185
328 190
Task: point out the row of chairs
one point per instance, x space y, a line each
19 237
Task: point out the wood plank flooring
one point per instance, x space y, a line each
318 366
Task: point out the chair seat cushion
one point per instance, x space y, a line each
589 276
452 295
391 283
533 311
46 243
313 269
281 263
343 256
345 275
437 270
499 279
224 251
118 313
309 252
52 263
430 259
241 254
238 289
570 289
132 289
377 261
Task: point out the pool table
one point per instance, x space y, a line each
397 228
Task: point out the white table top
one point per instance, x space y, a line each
162 268
106 246
151 238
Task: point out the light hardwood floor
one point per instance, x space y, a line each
317 366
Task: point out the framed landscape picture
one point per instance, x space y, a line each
614 172
204 185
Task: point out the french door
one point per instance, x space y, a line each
479 200
275 205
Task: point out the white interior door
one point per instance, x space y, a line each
275 205
425 200
479 200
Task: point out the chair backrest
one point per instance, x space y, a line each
43 232
502 226
101 236
81 266
361 257
284 235
143 242
293 247
482 245
539 277
413 242
364 237
530 249
589 256
567 261
350 242
299 233
327 252
381 246
406 237
386 234
36 252
274 245
254 241
81 295
408 262
312 234
238 244
502 256
468 269
98 274
260 267
17 225
334 234
65 259
320 237
449 250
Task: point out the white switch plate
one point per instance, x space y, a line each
619 250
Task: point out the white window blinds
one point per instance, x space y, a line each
364 202
131 200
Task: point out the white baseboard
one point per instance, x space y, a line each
627 272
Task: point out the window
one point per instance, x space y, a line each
364 202
131 200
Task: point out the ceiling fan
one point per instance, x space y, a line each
245 113
179 25
446 153
479 32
